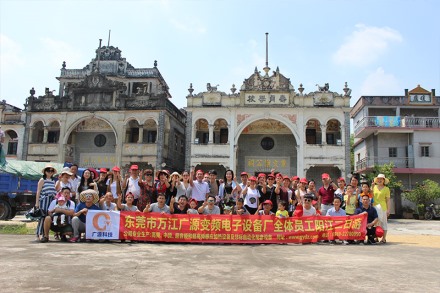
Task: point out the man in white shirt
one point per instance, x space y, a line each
200 190
131 183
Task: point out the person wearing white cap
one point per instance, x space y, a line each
381 202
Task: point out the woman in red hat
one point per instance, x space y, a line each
114 183
302 190
148 193
251 196
102 182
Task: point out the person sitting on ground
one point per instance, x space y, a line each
106 202
227 210
267 206
192 207
209 207
239 208
159 206
179 207
282 212
372 218
308 209
62 230
336 210
61 204
88 200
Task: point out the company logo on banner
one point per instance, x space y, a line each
102 224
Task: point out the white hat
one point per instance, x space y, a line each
386 180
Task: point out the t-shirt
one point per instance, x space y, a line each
381 196
372 213
332 212
177 210
126 208
282 214
214 211
106 207
82 205
350 206
261 213
251 198
200 190
154 208
327 195
133 187
309 212
53 203
193 211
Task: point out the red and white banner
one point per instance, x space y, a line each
222 228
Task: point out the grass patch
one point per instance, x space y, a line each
18 230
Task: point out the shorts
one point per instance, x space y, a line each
67 229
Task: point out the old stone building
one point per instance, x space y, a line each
12 122
108 113
269 125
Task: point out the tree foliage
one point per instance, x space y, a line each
387 170
424 193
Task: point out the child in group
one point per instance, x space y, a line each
282 212
193 207
365 191
227 210
239 208
351 201
61 204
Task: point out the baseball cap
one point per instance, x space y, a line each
325 176
243 174
267 201
134 167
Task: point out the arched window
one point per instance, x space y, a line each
202 131
53 134
12 138
313 132
150 131
38 132
132 132
333 132
221 131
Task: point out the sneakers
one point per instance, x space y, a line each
74 239
371 241
44 239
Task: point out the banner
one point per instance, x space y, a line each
222 228
102 224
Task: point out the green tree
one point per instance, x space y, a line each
424 193
387 170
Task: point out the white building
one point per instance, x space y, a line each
268 124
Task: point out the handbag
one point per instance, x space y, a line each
379 231
34 214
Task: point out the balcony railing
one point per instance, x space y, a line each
397 121
399 162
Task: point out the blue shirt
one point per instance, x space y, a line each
332 212
372 213
82 205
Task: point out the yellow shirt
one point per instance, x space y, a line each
282 214
350 207
381 196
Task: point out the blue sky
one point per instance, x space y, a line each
378 47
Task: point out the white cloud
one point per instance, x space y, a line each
10 54
365 45
189 26
59 51
380 83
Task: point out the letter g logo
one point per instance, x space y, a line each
101 224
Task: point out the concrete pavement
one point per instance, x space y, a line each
27 266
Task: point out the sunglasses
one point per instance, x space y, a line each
148 174
50 170
210 200
307 200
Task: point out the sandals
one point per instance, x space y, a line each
44 239
383 241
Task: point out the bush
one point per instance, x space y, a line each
424 193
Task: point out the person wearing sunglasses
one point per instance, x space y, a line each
308 209
209 207
45 194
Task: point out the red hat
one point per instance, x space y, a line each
95 173
325 176
261 175
279 175
267 201
341 179
253 178
286 177
304 180
163 172
116 169
134 167
129 193
244 174
193 200
200 171
295 178
103 170
271 175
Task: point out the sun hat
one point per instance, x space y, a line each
66 170
383 177
176 174
89 192
163 172
49 166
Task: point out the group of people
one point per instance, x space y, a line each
66 201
